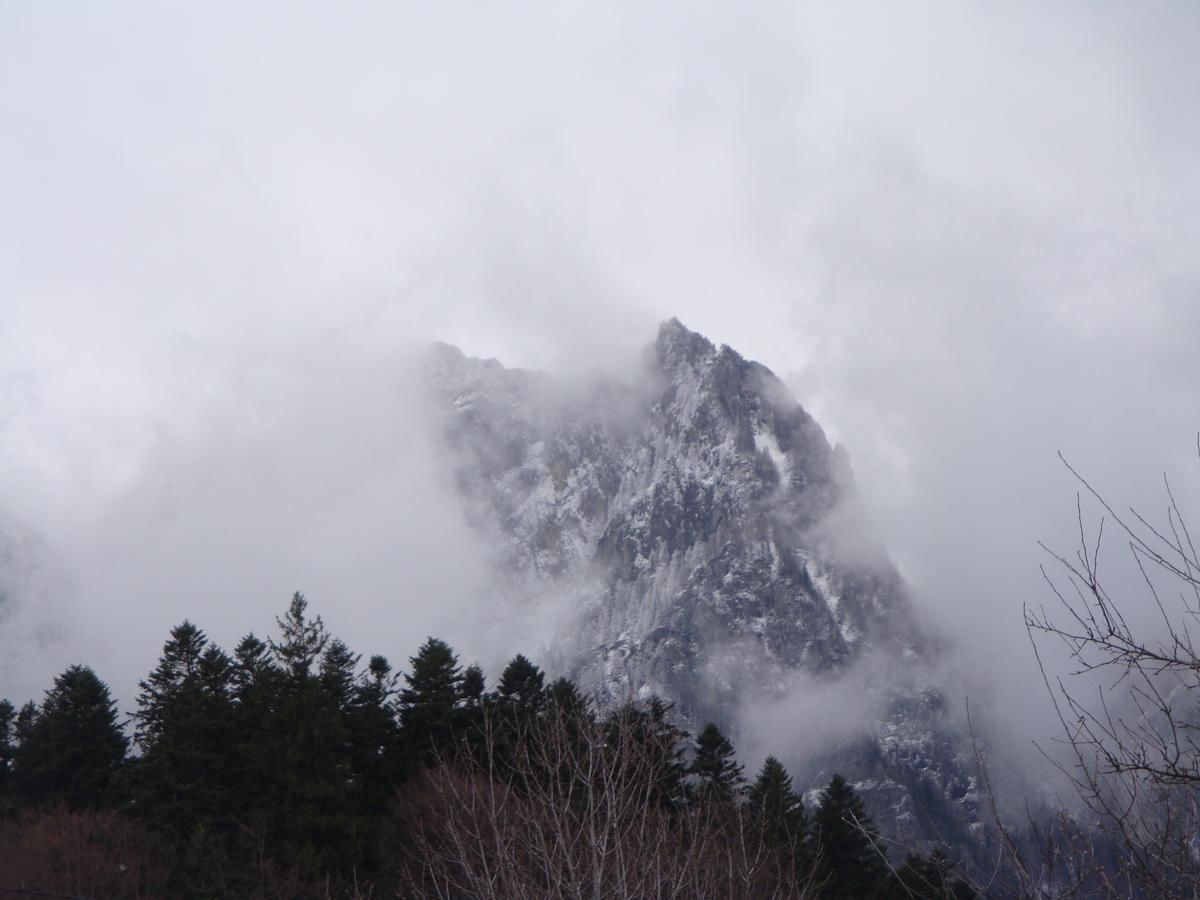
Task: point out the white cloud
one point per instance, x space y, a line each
965 235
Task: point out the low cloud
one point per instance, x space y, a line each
964 236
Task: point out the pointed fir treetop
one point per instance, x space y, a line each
338 665
521 682
715 768
778 807
435 676
429 703
566 697
252 664
181 670
71 748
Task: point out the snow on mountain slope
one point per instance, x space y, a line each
710 546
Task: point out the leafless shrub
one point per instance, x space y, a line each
82 854
563 807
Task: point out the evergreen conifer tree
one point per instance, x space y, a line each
338 670
429 702
522 684
777 812
303 752
374 735
714 770
256 685
473 685
71 748
186 730
301 640
778 809
849 857
23 726
565 696
566 708
176 675
253 668
659 748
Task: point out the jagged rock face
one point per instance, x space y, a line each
707 535
684 510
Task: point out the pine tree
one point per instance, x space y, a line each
777 813
473 685
256 684
71 748
714 770
302 754
777 807
849 856
186 730
252 667
177 672
23 726
519 696
428 704
564 696
301 642
522 684
644 735
374 735
338 672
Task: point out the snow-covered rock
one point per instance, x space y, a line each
710 544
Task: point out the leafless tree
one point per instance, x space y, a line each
1130 706
565 807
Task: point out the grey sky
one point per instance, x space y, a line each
965 235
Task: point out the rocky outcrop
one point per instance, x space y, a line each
712 547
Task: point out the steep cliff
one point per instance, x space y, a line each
712 550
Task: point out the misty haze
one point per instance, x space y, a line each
598 450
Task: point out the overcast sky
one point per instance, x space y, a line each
965 234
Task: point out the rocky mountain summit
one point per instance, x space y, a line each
712 550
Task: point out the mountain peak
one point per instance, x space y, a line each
677 345
702 543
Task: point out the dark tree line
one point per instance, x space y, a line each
288 768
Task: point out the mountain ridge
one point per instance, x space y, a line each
706 540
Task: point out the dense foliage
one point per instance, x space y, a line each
287 769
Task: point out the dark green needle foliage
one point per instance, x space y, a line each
429 703
186 732
290 769
473 686
563 696
649 740
301 642
304 753
522 685
777 808
338 667
849 856
374 735
776 813
72 747
714 770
